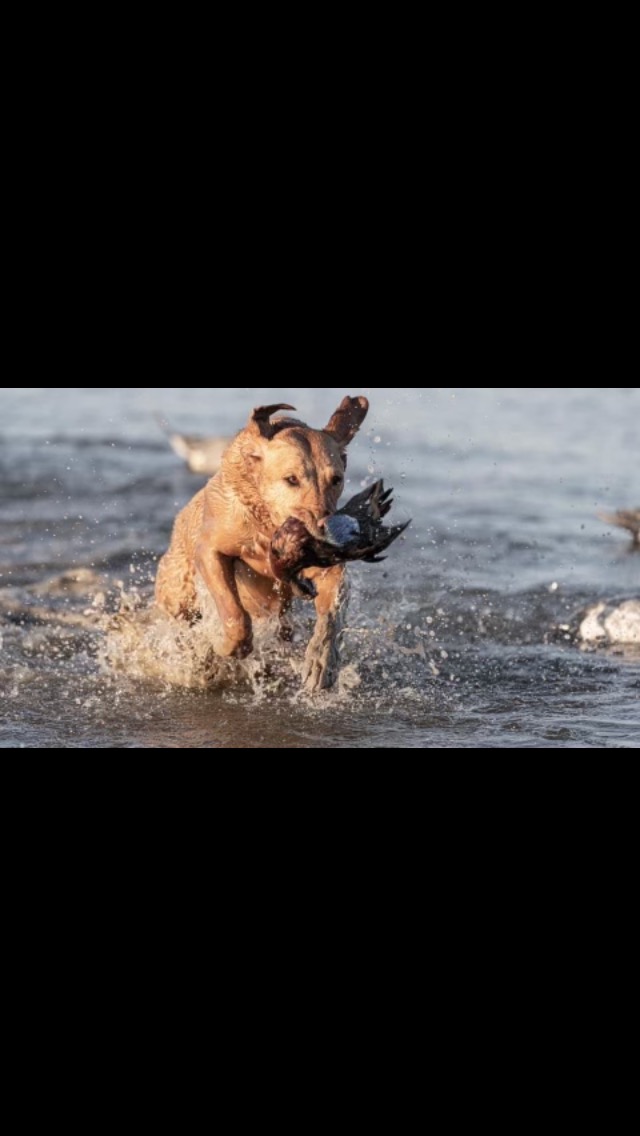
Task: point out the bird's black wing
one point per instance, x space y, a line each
371 505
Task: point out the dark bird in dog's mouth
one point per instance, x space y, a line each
355 532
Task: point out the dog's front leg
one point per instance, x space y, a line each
322 661
218 573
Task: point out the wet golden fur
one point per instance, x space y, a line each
271 471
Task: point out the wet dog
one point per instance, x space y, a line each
271 472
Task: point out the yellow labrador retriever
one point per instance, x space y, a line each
272 470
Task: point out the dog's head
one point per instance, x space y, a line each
297 471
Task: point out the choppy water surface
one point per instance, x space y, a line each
449 643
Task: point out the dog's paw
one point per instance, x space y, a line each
236 646
242 650
236 641
321 666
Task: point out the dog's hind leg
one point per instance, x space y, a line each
176 579
322 660
176 587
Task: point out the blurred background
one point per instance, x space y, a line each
504 486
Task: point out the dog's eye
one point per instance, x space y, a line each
338 479
293 481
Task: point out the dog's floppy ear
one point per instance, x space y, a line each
348 419
260 421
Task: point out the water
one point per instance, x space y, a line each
449 643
